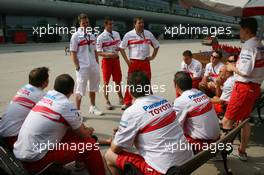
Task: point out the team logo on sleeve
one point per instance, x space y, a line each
123 123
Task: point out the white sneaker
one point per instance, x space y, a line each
94 110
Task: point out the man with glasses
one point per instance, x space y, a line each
85 60
224 86
212 71
107 47
249 73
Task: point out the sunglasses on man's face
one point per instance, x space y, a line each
231 61
214 56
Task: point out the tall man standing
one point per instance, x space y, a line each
138 41
249 73
107 47
85 60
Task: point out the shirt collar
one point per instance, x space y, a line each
34 87
251 41
59 94
185 92
111 33
140 34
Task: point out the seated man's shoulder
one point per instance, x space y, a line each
208 64
181 101
197 62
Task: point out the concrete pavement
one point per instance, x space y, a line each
17 60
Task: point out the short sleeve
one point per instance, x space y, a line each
99 44
72 116
118 38
181 113
74 43
246 62
127 131
206 73
154 41
124 42
182 66
197 70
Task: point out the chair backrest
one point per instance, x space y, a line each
201 158
8 163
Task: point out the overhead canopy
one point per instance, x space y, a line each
254 8
229 7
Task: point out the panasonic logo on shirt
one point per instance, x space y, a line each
195 95
154 105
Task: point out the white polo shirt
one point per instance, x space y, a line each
139 44
150 123
213 72
194 69
16 112
251 62
227 88
108 42
196 115
46 124
85 46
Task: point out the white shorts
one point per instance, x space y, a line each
88 76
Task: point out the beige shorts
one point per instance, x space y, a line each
88 76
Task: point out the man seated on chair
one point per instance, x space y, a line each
54 132
193 67
21 104
150 124
224 86
212 71
195 113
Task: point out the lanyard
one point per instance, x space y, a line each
88 41
214 69
142 35
111 35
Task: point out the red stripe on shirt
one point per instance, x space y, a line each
84 42
199 110
47 112
145 41
214 75
110 43
152 126
259 63
24 102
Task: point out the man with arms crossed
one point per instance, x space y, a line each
249 73
150 124
224 87
24 100
86 64
138 41
53 132
212 71
195 113
107 47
